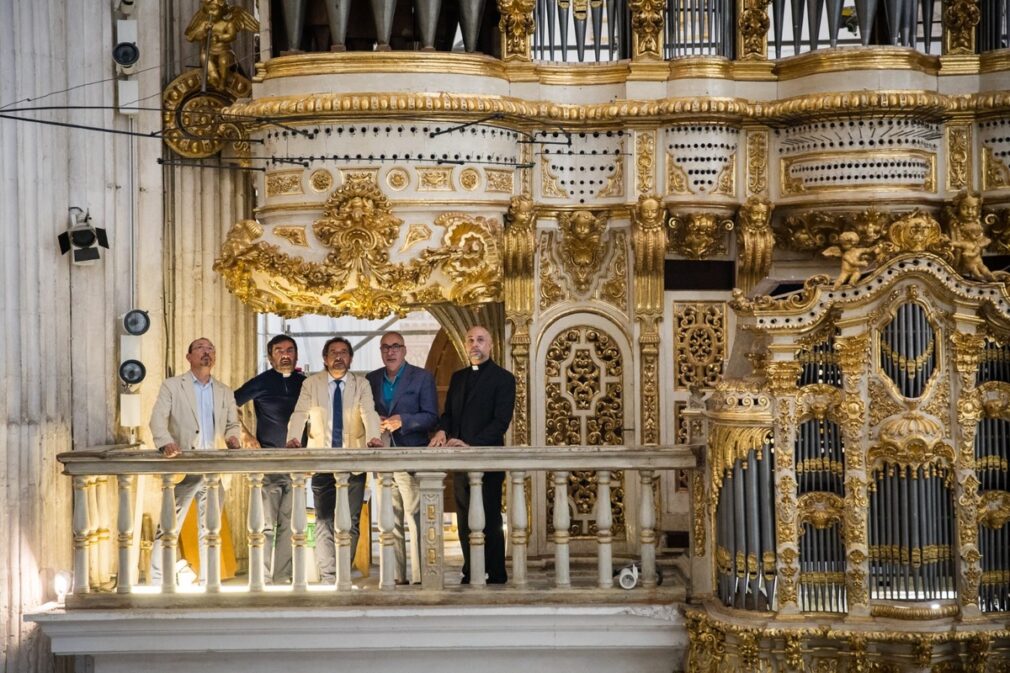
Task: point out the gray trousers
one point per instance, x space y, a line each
407 501
277 528
192 486
324 495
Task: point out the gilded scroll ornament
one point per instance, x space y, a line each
350 176
756 242
284 183
676 177
648 347
958 157
516 26
194 125
994 509
416 233
820 509
614 289
646 27
753 27
519 251
995 173
499 180
581 249
551 291
434 179
757 164
549 186
615 183
911 439
727 445
645 161
698 235
699 344
725 182
294 235
649 236
960 17
699 512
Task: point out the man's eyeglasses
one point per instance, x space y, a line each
390 347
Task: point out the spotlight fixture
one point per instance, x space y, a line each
126 53
83 238
132 371
136 322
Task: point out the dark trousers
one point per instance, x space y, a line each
494 536
324 495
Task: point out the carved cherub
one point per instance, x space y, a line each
972 244
854 258
649 214
582 234
215 26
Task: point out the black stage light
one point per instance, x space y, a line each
136 322
83 238
132 372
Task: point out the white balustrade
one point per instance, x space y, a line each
431 467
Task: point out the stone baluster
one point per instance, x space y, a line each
431 485
387 553
476 521
562 524
81 585
342 532
604 541
255 534
169 535
213 513
94 560
103 536
299 530
517 514
647 522
124 537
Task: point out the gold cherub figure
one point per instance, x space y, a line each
972 244
854 258
215 26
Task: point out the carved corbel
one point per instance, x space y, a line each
698 235
516 26
757 243
960 17
646 28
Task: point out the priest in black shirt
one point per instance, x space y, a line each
274 394
478 411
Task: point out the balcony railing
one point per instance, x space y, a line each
430 466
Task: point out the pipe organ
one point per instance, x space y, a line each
857 465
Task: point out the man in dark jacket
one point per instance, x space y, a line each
478 411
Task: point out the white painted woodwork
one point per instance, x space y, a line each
342 533
256 536
562 521
604 520
647 520
299 532
476 521
213 526
82 582
387 554
432 543
169 536
518 528
124 534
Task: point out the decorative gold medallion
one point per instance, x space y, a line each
321 180
469 179
397 179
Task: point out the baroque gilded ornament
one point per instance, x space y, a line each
960 17
581 248
516 26
757 242
753 30
357 276
698 235
699 344
194 125
958 157
646 27
645 161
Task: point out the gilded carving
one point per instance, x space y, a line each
699 344
584 398
698 512
912 439
284 183
753 30
434 179
648 345
645 161
416 233
994 509
698 235
549 186
321 180
551 291
958 157
968 237
756 242
793 183
499 180
650 254
397 179
757 164
646 27
615 288
615 183
351 176
676 177
725 182
519 256
516 26
820 509
469 179
995 173
960 17
581 248
293 235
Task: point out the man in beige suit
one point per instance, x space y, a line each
355 426
193 412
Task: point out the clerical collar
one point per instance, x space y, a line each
480 366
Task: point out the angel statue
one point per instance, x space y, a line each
215 26
854 258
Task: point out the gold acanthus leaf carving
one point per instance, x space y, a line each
649 239
499 180
725 182
958 157
698 235
820 509
615 288
911 439
519 256
646 25
757 163
549 186
727 445
645 161
516 25
295 235
475 263
676 177
995 173
753 30
960 17
581 248
699 344
551 291
284 183
756 242
416 233
615 183
994 509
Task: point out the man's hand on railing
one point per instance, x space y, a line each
249 440
170 450
232 443
438 439
456 442
293 443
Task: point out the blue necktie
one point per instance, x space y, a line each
337 440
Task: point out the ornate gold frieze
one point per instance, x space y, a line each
295 235
995 174
584 406
499 180
757 163
753 30
549 187
959 20
434 179
362 175
756 242
357 276
581 248
193 121
645 161
698 512
646 28
283 183
615 183
699 344
958 156
516 26
820 509
698 235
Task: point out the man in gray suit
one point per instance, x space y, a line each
407 404
354 426
193 412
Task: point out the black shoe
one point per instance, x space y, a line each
497 580
401 583
465 580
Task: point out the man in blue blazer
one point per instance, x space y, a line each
407 405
